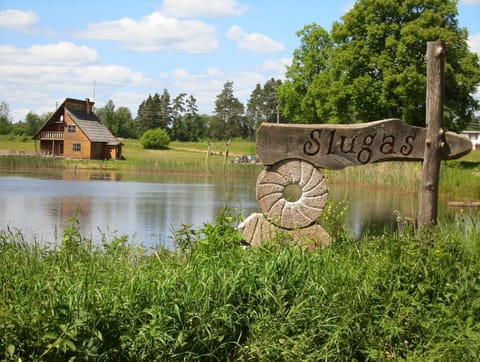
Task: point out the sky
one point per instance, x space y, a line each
125 50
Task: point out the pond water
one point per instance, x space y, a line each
149 207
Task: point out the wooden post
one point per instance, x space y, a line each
226 152
428 196
208 154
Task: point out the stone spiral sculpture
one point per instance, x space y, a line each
292 193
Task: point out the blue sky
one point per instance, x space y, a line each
126 50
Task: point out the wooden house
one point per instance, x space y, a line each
74 131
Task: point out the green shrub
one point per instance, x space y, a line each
155 139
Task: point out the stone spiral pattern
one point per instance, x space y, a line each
276 208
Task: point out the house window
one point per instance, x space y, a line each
72 128
77 147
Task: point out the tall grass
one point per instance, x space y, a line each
398 175
380 298
30 162
460 179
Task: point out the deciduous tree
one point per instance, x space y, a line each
372 65
5 120
118 121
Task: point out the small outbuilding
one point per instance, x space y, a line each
474 137
74 131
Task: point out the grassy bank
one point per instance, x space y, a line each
382 298
180 157
460 179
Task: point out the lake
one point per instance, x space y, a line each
148 207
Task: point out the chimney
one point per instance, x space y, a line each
87 106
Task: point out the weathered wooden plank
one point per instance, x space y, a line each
335 146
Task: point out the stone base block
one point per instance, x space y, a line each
256 229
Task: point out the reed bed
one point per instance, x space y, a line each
380 298
398 175
460 179
30 162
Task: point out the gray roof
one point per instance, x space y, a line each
93 128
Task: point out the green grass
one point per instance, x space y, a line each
381 298
397 175
180 157
460 179
17 143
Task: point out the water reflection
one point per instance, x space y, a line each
372 209
148 206
144 211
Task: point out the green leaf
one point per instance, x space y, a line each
71 346
50 336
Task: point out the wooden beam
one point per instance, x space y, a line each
435 137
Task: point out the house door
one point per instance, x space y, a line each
61 149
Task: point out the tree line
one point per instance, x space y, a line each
178 116
371 65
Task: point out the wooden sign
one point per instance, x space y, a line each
335 146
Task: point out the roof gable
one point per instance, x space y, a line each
82 114
91 125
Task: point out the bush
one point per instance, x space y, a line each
155 139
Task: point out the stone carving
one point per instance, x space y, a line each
292 195
256 229
294 208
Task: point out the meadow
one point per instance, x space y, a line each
379 298
401 295
179 157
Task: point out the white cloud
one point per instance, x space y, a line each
254 41
474 43
202 8
156 32
205 86
131 100
23 21
33 77
61 53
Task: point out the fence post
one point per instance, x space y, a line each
435 137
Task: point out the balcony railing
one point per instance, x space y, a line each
51 135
